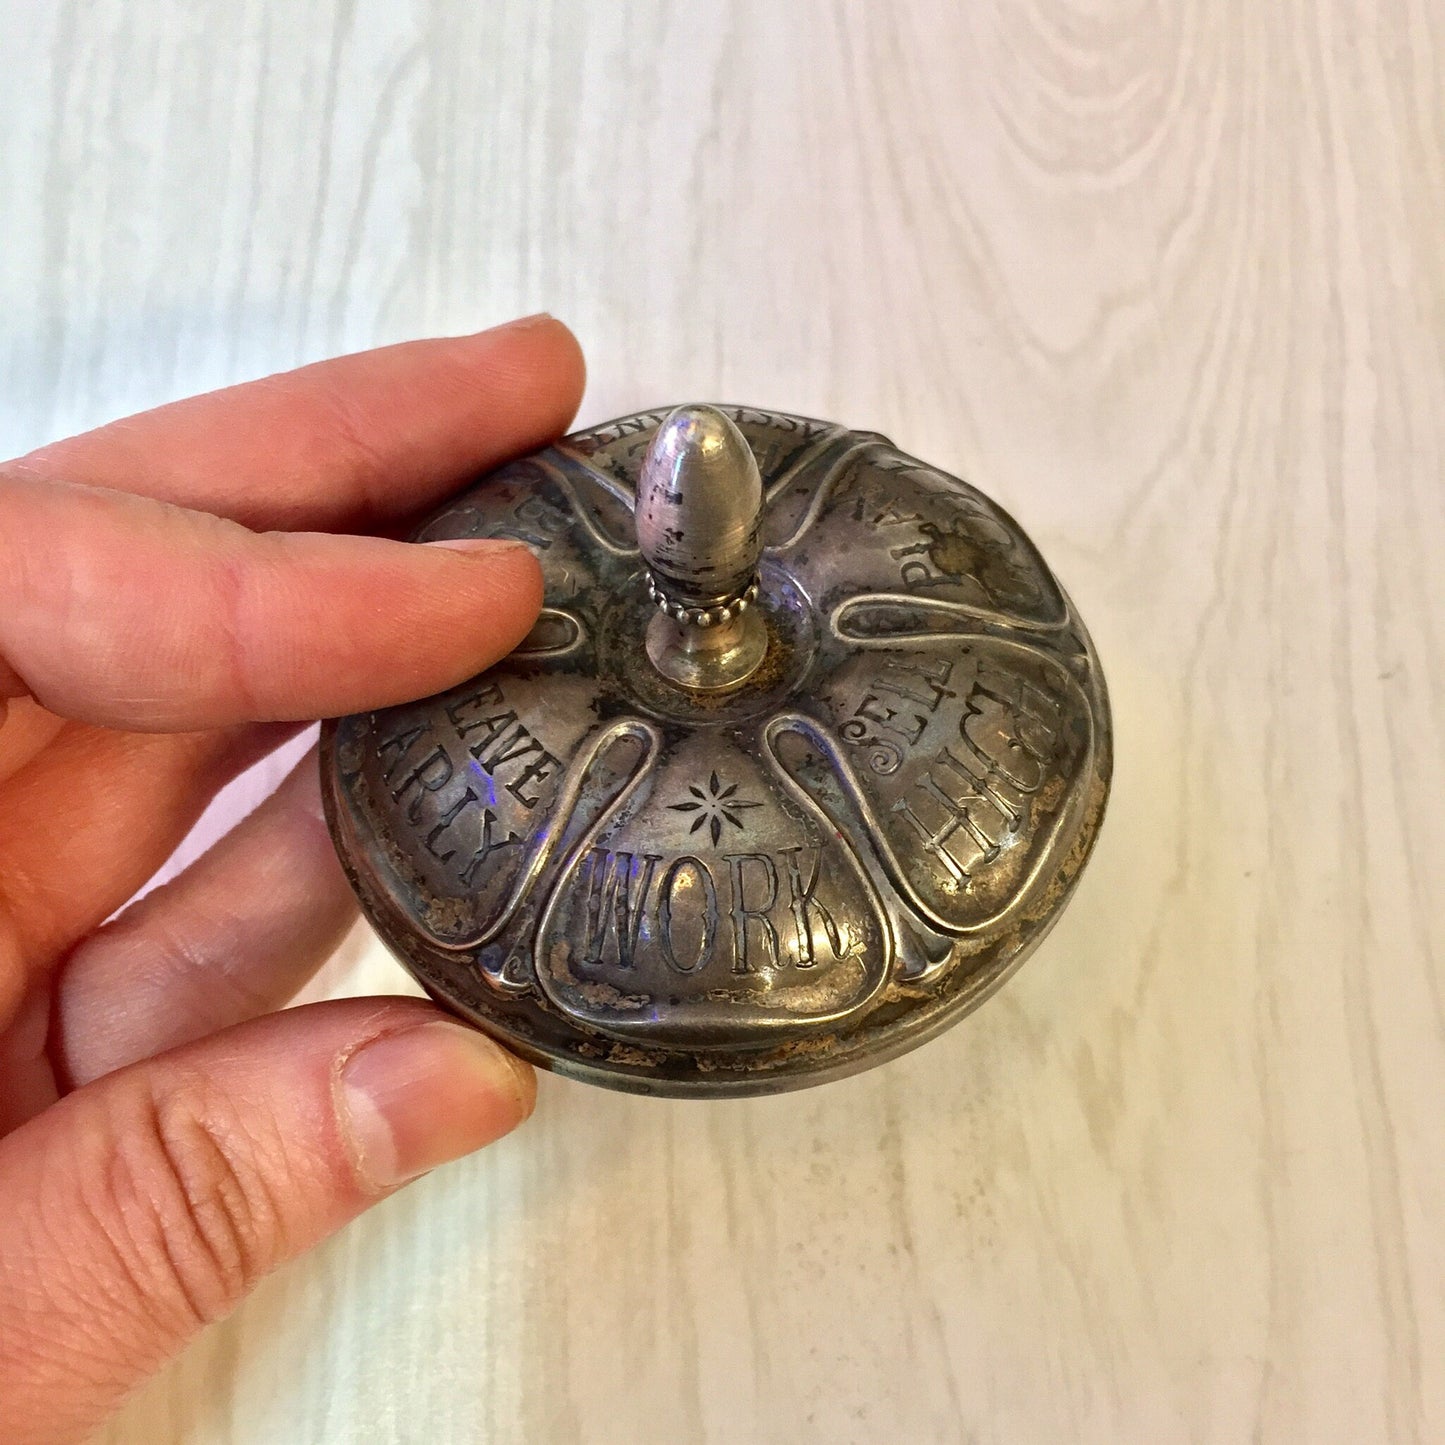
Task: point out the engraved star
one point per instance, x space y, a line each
714 807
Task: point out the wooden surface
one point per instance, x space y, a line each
1167 280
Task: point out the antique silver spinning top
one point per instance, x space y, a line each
802 758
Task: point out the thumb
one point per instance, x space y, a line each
147 1204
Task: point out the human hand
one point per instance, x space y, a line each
174 603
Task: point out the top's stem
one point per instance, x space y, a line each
699 519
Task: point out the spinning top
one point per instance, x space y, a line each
802 758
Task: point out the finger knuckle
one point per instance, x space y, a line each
233 632
365 463
195 1224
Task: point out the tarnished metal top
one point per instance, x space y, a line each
802 758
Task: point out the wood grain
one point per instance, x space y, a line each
1166 280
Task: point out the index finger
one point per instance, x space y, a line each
356 443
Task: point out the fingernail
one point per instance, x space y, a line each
523 323
412 1100
483 546
535 321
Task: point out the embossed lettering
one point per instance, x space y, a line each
628 901
884 757
922 682
890 516
697 870
445 822
910 729
955 810
489 695
497 726
486 848
935 840
398 746
742 912
517 745
805 905
615 904
433 772
505 740
915 570
1025 719
541 767
983 786
538 523
929 674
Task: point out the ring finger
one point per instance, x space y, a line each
234 936
88 820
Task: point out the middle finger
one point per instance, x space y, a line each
85 823
234 936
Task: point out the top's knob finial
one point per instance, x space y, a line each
699 508
699 516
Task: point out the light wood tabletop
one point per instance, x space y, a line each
1168 281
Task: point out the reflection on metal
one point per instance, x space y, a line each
803 757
